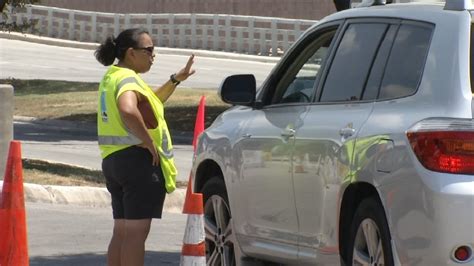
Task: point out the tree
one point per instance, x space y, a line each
15 5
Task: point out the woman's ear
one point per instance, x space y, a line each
130 52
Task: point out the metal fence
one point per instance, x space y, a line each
230 33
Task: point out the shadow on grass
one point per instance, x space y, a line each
42 87
65 170
44 132
91 259
83 118
178 118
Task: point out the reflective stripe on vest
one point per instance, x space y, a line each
103 105
124 82
131 139
116 140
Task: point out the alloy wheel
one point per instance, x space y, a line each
368 248
219 234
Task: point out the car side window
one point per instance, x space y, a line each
406 61
352 62
297 83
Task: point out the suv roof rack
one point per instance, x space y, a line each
458 5
367 3
454 5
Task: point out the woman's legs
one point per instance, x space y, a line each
138 191
127 246
115 246
133 244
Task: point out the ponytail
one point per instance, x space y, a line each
116 48
106 52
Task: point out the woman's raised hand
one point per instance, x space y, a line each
184 73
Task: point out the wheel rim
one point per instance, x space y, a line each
219 235
368 245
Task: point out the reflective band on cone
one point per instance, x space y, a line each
193 261
194 232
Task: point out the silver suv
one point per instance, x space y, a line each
358 149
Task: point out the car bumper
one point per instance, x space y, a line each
430 216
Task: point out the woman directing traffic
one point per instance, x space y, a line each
137 153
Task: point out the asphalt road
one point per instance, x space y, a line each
60 235
25 60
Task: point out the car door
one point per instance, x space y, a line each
325 142
266 149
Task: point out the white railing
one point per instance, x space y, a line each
230 33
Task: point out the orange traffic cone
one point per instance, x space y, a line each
199 124
193 252
198 129
13 240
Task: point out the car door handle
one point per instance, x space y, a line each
346 132
288 133
246 136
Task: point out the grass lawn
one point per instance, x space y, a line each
48 99
77 101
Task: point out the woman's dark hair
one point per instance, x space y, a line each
116 48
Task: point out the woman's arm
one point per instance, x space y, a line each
131 116
165 91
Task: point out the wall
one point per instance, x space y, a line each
231 33
300 9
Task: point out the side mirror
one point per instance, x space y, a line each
239 90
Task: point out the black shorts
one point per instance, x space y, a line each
137 187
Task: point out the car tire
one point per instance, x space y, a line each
370 241
220 238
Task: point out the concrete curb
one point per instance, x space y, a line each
89 196
160 50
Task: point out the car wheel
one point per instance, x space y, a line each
220 238
370 237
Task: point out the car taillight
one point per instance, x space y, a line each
444 145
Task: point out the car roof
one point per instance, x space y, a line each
429 12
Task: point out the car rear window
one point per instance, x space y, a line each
351 65
406 62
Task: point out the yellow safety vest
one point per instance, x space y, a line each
113 134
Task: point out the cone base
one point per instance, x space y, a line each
192 261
